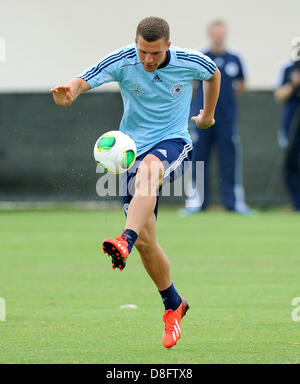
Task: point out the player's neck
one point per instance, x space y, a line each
218 49
166 60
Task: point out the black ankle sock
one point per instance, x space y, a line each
170 298
131 238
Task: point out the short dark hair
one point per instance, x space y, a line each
153 28
216 23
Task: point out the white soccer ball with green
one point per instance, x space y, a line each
115 152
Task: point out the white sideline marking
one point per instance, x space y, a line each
128 306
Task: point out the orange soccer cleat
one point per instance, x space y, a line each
118 250
172 319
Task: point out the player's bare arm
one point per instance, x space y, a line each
240 87
64 95
211 90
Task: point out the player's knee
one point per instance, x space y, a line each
150 173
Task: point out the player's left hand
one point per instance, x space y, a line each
202 121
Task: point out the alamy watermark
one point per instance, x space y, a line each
2 309
183 184
296 311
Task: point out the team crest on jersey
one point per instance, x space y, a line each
232 69
177 90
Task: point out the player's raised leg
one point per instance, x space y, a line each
149 178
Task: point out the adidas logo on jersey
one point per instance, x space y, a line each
156 79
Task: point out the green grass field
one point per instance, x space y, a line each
63 300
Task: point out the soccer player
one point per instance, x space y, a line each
288 93
224 134
156 86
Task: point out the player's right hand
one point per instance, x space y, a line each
295 78
62 95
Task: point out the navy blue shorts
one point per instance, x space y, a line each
175 154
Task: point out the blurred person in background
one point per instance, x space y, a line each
224 134
288 93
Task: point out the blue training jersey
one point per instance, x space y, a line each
231 68
156 104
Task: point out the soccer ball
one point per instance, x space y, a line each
115 152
